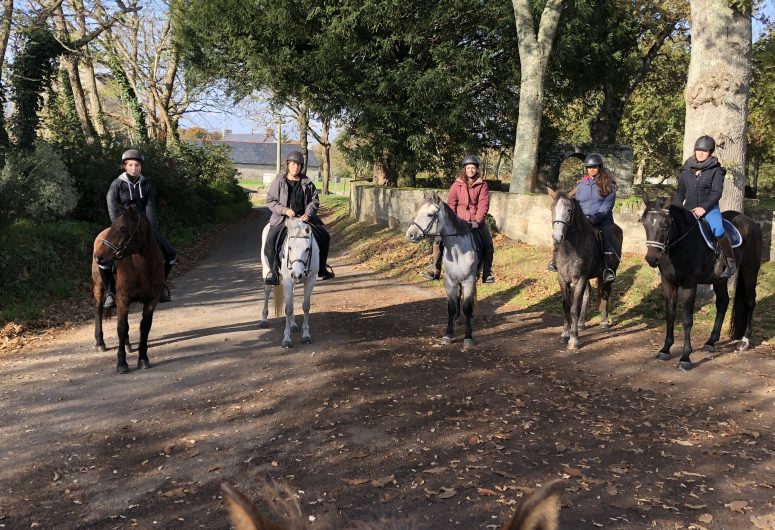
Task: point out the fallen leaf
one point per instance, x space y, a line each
382 482
737 506
487 492
435 470
355 481
697 507
686 443
705 518
612 490
764 522
446 493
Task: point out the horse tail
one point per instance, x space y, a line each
279 299
740 307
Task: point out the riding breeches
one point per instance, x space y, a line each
606 232
167 250
714 219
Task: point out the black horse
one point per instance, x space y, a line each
674 244
579 259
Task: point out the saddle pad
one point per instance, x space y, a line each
731 230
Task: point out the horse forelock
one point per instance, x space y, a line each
297 228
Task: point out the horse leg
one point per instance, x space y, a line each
469 295
99 341
688 321
264 323
722 303
604 293
575 309
294 326
289 319
309 284
671 295
453 303
122 328
565 290
145 330
584 305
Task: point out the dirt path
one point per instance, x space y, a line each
451 440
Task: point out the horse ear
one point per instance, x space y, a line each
436 198
572 193
551 192
243 513
645 198
426 195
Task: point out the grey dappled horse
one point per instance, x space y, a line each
579 259
461 263
299 263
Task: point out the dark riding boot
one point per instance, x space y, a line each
165 295
435 273
109 302
487 276
729 257
325 272
608 273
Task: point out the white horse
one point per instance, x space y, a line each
461 263
299 263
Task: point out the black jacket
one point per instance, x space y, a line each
139 194
278 201
703 190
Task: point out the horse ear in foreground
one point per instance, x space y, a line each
538 511
461 261
299 259
130 247
579 258
676 246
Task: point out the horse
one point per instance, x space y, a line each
461 260
299 262
538 511
675 245
130 246
579 258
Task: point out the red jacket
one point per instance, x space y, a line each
470 203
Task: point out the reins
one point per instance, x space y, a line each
120 251
667 245
426 232
307 262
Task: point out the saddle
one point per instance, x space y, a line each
731 231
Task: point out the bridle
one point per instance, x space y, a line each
569 224
120 251
426 232
307 261
667 245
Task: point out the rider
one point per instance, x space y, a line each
596 193
132 189
292 194
700 186
469 198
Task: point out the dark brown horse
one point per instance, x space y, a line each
675 245
129 246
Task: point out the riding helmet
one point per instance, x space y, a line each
295 156
470 159
705 143
132 154
593 160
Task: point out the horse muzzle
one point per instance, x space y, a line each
413 235
652 258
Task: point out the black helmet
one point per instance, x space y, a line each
705 143
295 156
132 154
593 160
470 159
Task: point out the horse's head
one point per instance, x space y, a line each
125 236
298 248
563 213
426 222
656 221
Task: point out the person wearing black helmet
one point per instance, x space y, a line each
469 197
700 185
596 193
131 188
292 194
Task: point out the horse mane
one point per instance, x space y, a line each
580 221
296 227
460 226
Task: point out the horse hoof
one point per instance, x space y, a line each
122 368
100 347
287 344
685 366
306 340
710 348
662 356
564 340
468 343
573 345
605 325
263 324
295 328
143 364
446 340
744 345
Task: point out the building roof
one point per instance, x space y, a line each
261 153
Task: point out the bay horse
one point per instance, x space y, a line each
129 246
675 245
579 258
461 262
538 511
299 262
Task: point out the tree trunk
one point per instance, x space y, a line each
716 91
166 97
384 174
90 80
533 58
326 169
5 32
302 118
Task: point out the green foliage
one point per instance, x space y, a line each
32 70
761 116
128 96
35 185
61 120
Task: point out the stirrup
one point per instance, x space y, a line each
165 295
428 275
488 278
552 267
730 269
109 302
272 279
608 275
327 273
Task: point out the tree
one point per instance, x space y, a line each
761 117
534 50
717 88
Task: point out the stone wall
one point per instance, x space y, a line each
525 218
618 159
